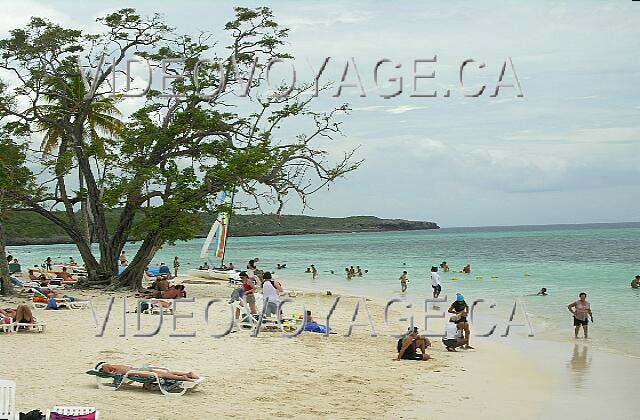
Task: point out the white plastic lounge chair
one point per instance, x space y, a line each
157 308
144 375
73 411
7 399
38 326
7 327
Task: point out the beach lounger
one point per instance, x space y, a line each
143 376
73 411
157 308
61 302
7 324
7 399
38 326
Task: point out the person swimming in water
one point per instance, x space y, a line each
542 292
635 283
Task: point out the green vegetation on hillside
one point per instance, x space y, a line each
29 228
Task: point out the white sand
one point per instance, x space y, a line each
269 376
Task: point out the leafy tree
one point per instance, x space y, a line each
15 177
177 151
102 118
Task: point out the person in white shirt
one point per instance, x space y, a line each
453 335
435 282
270 292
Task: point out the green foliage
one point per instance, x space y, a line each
154 175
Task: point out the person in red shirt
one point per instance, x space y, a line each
249 289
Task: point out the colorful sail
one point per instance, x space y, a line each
218 231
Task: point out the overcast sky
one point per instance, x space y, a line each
568 151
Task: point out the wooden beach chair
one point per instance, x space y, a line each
73 411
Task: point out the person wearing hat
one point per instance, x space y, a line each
249 289
459 307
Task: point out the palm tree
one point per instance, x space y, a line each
102 119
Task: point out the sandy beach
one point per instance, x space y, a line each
268 376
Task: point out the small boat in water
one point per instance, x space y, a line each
214 274
218 233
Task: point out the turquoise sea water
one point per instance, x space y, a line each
598 259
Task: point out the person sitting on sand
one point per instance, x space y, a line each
164 374
460 308
453 336
403 281
32 276
580 309
160 284
22 314
174 292
542 292
466 269
635 283
407 346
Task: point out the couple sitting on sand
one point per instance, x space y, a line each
173 292
408 346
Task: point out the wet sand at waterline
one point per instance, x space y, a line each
271 376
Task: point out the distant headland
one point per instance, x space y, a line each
32 229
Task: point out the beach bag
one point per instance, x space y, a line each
144 306
32 415
52 304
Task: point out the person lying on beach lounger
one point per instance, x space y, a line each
66 276
21 314
408 345
123 369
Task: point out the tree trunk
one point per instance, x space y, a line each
84 211
132 275
7 287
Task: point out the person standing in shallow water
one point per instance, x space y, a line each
314 272
581 309
435 282
403 281
176 266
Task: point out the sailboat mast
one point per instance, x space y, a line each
224 248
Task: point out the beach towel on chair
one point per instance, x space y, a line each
56 416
